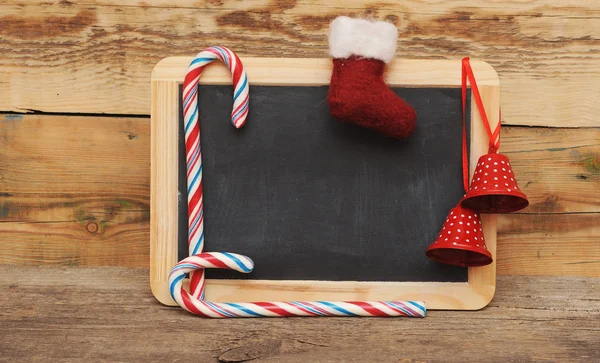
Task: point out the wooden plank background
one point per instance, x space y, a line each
75 99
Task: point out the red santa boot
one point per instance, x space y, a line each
358 94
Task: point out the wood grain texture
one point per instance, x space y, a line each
74 190
101 176
74 314
96 56
558 169
558 233
60 154
549 244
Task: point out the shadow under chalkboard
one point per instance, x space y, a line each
309 198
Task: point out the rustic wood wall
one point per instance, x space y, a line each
75 103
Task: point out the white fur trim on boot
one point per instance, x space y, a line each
363 38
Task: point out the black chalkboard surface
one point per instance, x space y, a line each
309 198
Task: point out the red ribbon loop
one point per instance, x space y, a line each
494 137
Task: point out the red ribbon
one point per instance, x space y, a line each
494 137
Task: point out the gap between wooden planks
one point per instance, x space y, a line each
96 57
74 191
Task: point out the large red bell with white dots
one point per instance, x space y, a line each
494 187
460 241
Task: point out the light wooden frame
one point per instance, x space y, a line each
168 74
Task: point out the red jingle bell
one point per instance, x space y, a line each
494 188
460 241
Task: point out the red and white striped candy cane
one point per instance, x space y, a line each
273 309
192 142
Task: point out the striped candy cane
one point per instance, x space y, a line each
199 260
273 309
192 142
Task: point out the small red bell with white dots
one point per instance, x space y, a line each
494 188
460 241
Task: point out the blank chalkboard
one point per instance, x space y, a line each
310 198
327 211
